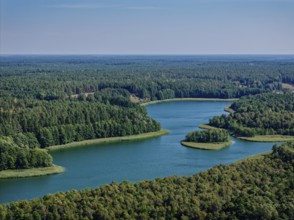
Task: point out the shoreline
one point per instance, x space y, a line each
229 110
206 126
256 138
268 138
188 99
55 169
108 140
207 146
32 172
253 157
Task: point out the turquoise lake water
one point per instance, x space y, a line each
134 161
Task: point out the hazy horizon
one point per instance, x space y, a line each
192 55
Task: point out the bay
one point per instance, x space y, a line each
92 166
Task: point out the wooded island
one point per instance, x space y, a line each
211 139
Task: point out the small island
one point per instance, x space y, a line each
211 139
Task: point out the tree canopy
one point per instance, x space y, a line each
153 77
262 114
260 188
14 157
208 136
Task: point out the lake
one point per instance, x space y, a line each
92 166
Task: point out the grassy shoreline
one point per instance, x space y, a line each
228 109
268 138
108 140
257 138
206 146
206 126
21 173
253 157
43 171
188 99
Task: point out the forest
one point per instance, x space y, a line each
61 122
262 114
147 77
14 157
208 136
257 188
54 100
43 124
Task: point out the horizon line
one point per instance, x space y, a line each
147 54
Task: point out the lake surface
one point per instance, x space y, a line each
96 165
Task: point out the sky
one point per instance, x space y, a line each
147 27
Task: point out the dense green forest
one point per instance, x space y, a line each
208 136
61 122
153 77
14 157
262 114
260 188
52 100
44 124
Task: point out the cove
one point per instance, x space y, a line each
89 167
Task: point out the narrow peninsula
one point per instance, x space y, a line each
18 161
109 140
267 117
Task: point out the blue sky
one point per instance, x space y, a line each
147 27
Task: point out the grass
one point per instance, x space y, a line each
21 173
188 99
205 126
109 140
207 146
254 157
268 138
257 138
228 109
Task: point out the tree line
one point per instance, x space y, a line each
260 188
52 100
61 122
15 157
208 136
262 114
49 78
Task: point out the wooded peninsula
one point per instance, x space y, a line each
49 102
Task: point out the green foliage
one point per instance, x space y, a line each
14 157
59 122
253 189
263 114
53 100
147 77
25 140
208 136
286 152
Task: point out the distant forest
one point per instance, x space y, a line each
53 100
257 188
154 77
